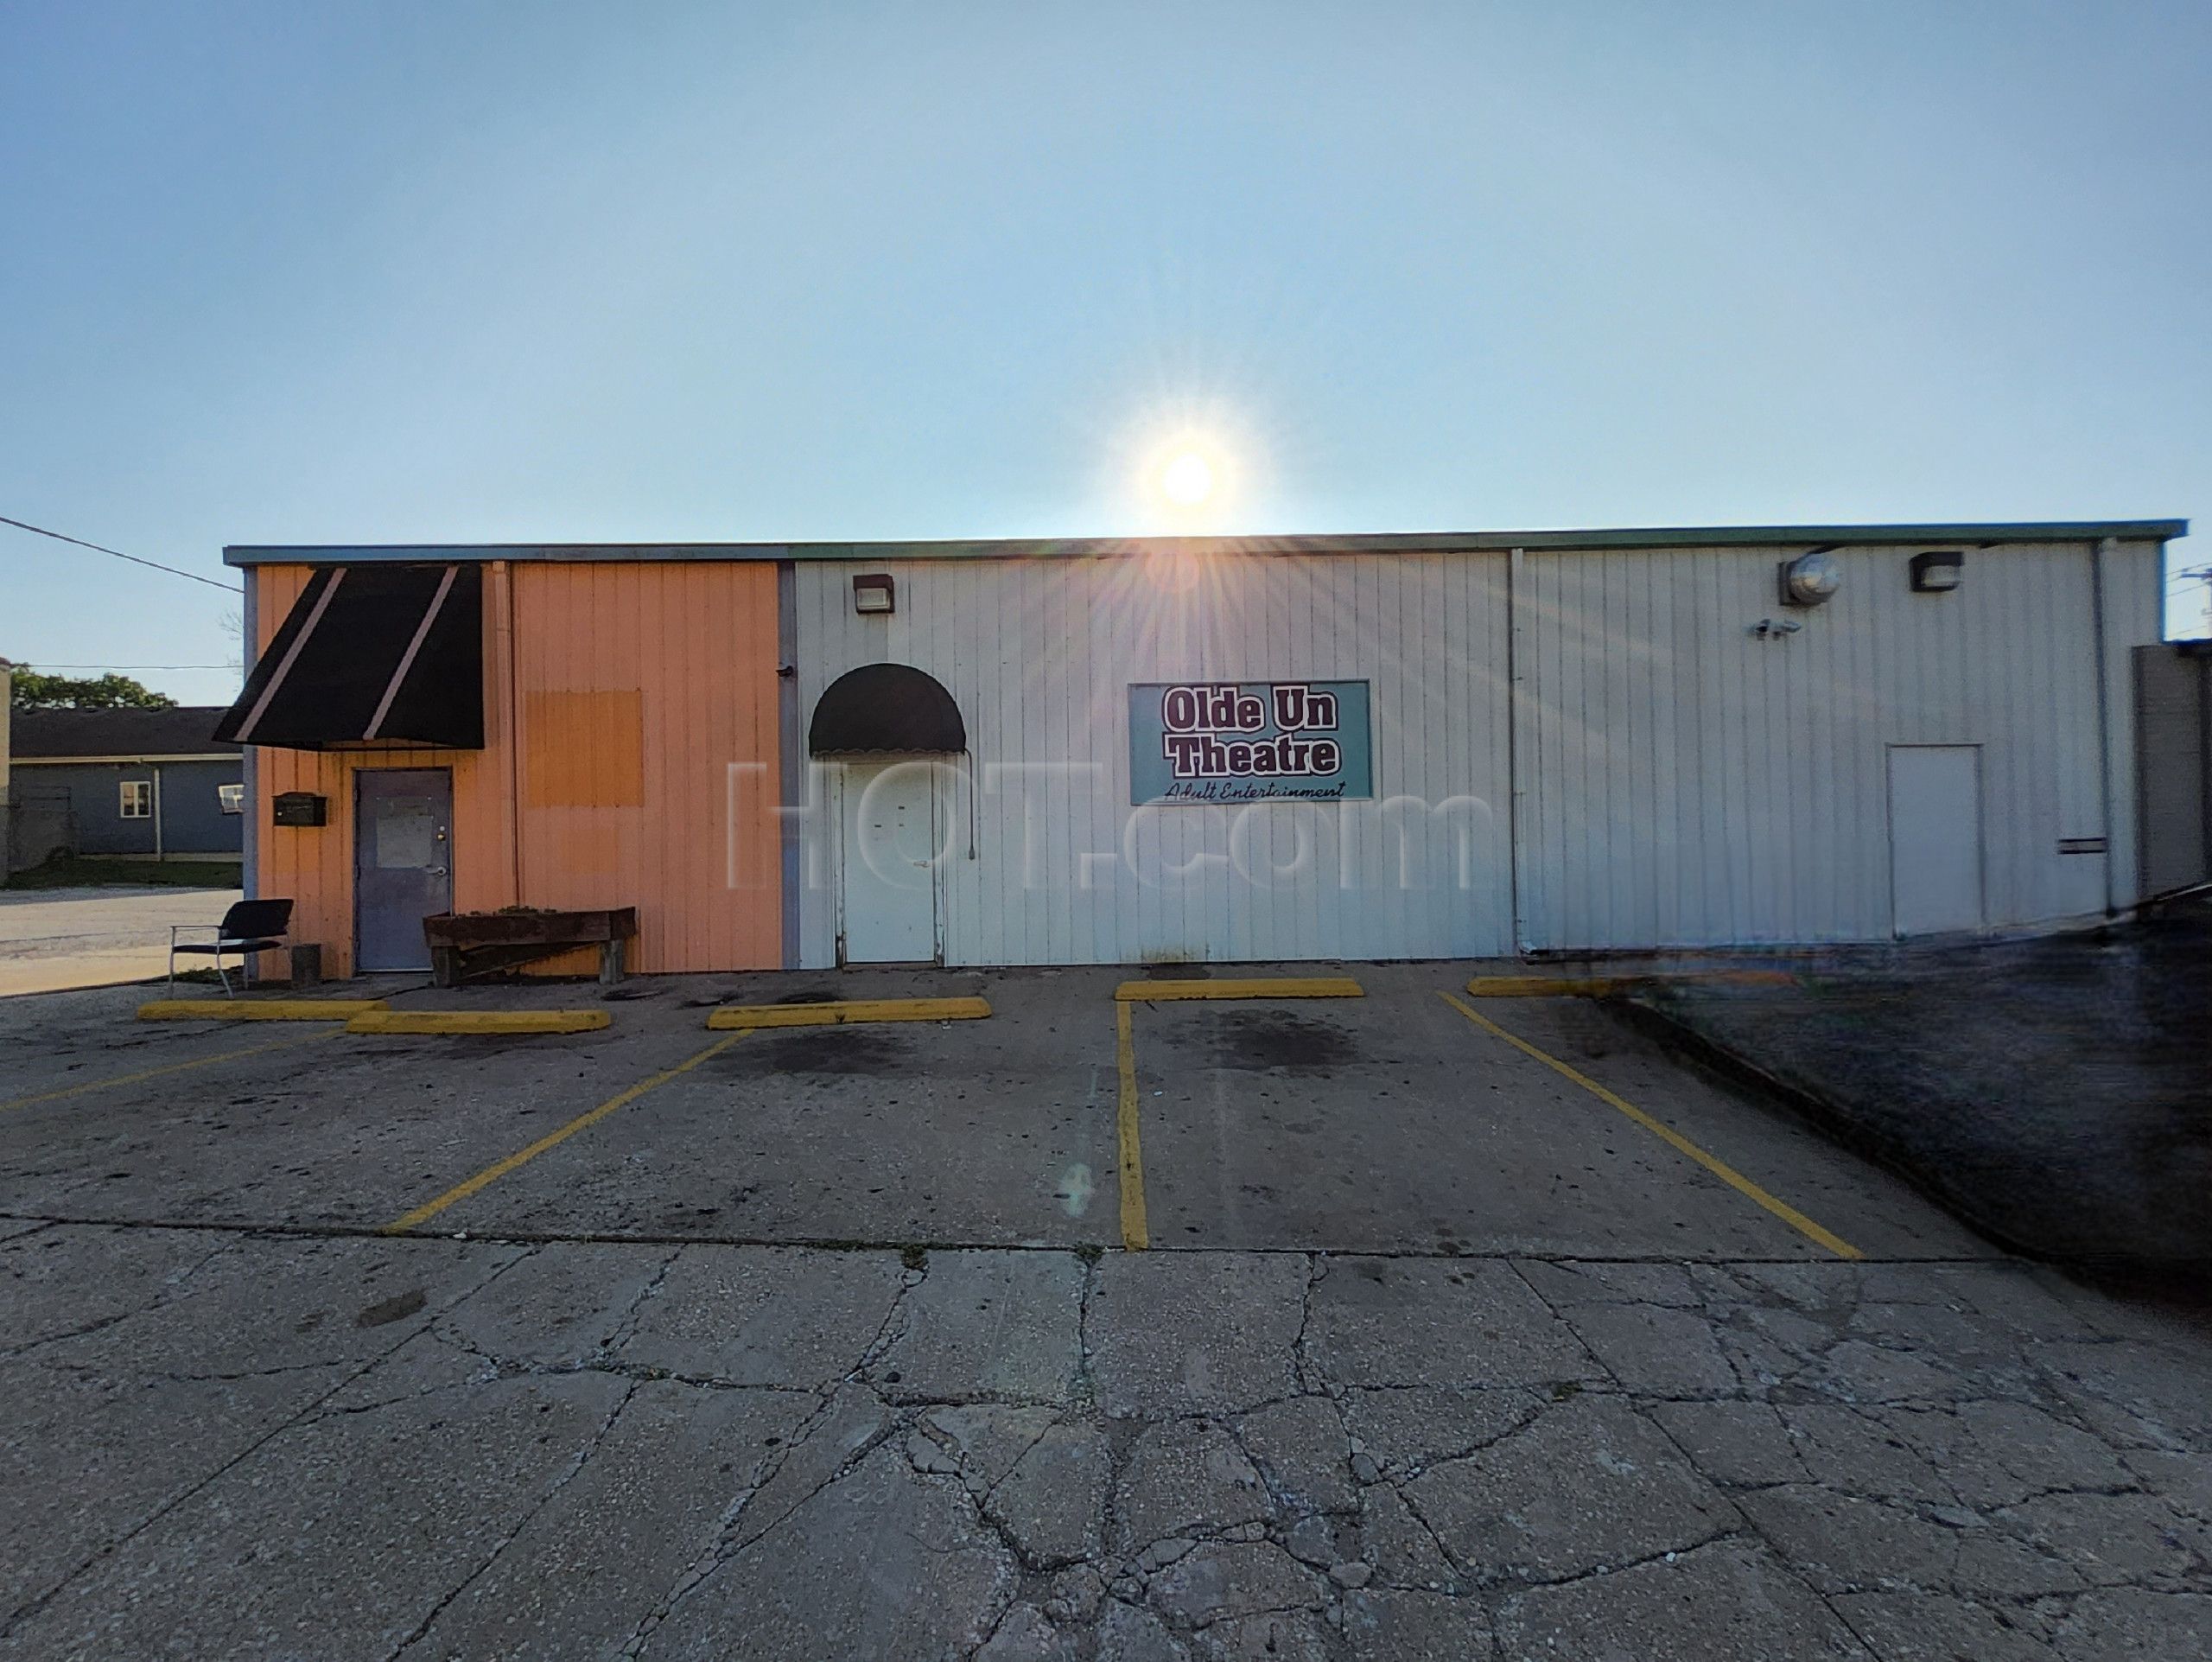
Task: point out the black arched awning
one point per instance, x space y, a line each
886 707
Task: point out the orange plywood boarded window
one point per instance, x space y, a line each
585 749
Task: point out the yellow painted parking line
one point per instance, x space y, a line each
1726 1173
492 1174
1135 1235
1601 986
1307 986
257 1010
1546 986
168 1067
479 1021
837 1012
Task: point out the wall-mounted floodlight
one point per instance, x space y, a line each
873 593
1938 572
1810 579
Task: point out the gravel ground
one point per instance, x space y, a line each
2056 1092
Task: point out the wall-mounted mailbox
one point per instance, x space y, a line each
299 808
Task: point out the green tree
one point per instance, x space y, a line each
29 690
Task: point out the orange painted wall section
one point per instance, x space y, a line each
647 772
314 866
630 758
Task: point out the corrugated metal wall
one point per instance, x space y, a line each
645 697
1039 656
312 866
1689 783
1683 782
2173 724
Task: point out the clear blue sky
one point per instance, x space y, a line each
288 272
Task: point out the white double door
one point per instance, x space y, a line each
891 829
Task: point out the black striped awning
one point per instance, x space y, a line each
372 653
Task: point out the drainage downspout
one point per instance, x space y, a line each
248 762
2203 764
7 694
790 765
2098 549
1514 578
502 667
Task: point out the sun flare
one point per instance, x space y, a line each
1187 479
1187 468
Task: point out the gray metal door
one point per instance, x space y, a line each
1935 837
403 863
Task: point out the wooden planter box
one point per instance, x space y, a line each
463 944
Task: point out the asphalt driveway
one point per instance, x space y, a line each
1410 1325
52 939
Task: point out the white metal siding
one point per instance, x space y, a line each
1682 782
1690 784
1039 656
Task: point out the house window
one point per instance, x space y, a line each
233 796
138 798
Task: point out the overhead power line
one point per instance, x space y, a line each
41 531
42 665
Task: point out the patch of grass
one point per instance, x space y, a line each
80 873
914 1257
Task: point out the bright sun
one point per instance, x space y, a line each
1187 479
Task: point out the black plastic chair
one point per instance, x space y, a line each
250 927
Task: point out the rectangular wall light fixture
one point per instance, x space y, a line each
1937 571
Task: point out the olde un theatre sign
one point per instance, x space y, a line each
1249 741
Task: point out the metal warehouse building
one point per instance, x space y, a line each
1121 750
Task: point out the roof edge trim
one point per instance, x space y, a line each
1045 548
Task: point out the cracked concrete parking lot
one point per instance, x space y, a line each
833 1343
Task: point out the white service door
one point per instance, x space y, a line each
1935 836
887 853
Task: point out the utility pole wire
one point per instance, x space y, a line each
43 532
126 666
